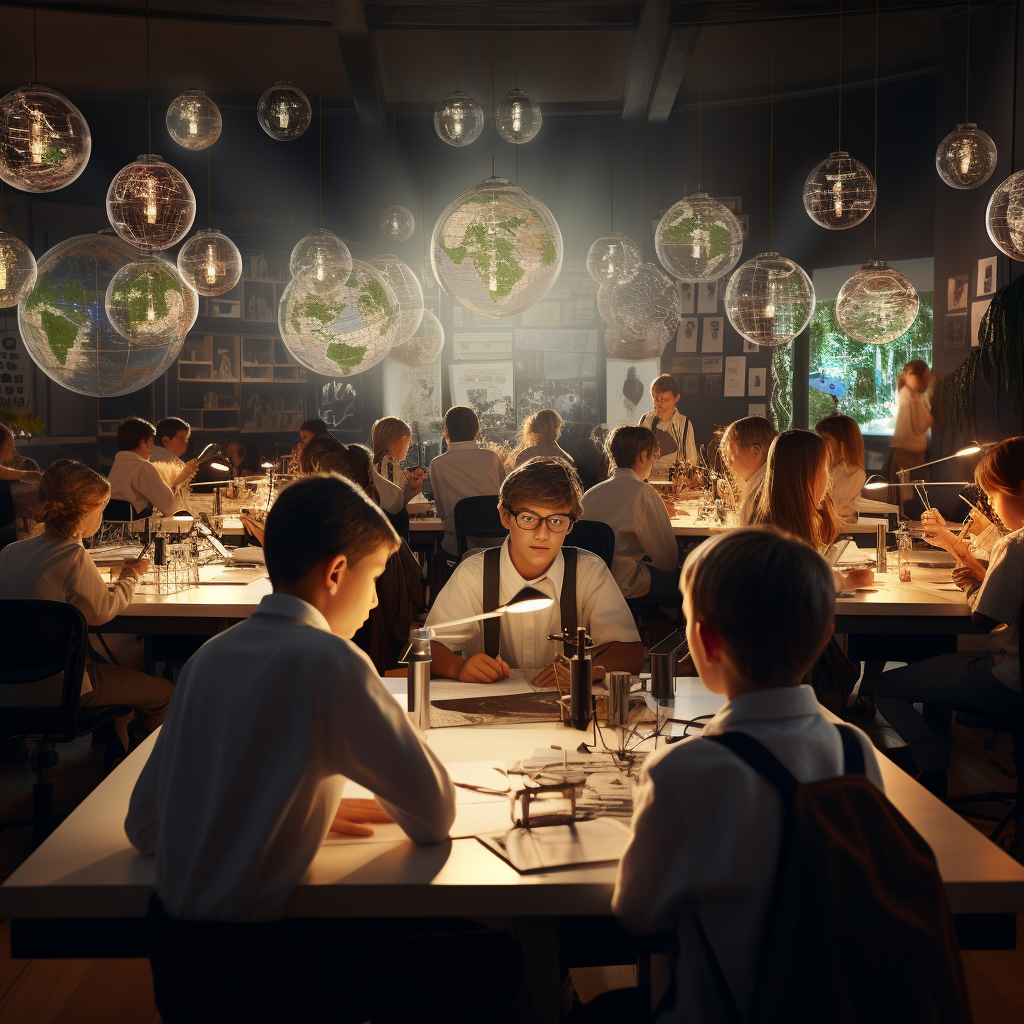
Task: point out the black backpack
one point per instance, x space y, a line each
858 928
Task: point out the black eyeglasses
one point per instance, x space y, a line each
527 519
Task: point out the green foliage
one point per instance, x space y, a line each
61 334
19 422
346 356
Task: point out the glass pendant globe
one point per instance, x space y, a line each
322 259
1004 217
877 304
17 270
647 305
149 303
621 345
397 224
839 193
193 120
517 117
769 300
698 239
65 327
406 286
613 259
44 140
345 331
425 346
210 262
496 249
150 204
459 119
284 112
966 157
424 270
607 311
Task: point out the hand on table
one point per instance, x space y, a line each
858 578
351 814
965 577
481 668
137 568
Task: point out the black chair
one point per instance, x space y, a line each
400 521
53 653
476 521
598 538
1012 800
120 511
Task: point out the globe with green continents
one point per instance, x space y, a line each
698 239
496 249
345 330
67 331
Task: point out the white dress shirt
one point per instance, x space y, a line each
392 496
847 482
600 607
268 720
999 598
643 529
706 836
909 431
464 471
133 479
52 568
681 431
750 494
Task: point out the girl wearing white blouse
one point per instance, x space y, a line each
390 438
848 473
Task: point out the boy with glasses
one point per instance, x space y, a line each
538 503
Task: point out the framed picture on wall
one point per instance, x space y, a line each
956 292
686 290
955 330
707 296
986 276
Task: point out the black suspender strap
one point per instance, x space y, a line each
568 598
492 579
853 755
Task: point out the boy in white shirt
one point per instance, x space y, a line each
172 437
538 504
745 445
678 442
465 470
645 547
707 827
135 480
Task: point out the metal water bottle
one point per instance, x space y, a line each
417 657
580 676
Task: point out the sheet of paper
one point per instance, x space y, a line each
586 842
712 334
710 364
241 574
735 372
757 375
686 336
757 409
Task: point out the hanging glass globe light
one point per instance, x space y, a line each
284 112
65 327
459 119
424 270
966 157
150 204
344 332
647 305
17 270
194 120
877 304
406 286
621 345
149 303
425 346
517 117
607 310
210 262
44 140
496 249
397 223
698 239
769 300
1004 217
322 258
839 193
613 259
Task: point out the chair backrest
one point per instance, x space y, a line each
477 523
41 674
593 536
120 511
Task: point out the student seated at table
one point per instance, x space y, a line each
245 781
540 435
707 828
135 480
848 473
390 438
678 443
988 683
645 547
244 458
54 566
307 431
465 470
172 437
19 477
744 447
538 503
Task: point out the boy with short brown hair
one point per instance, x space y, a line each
744 446
538 504
674 430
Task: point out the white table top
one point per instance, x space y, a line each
686 525
87 868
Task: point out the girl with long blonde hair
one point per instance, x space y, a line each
540 434
848 473
390 438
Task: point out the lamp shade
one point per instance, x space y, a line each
150 204
193 120
966 157
210 262
17 270
517 117
44 140
698 239
397 223
877 304
1004 217
284 112
459 119
769 300
613 258
839 193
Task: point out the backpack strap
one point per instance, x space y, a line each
567 602
853 754
762 760
492 579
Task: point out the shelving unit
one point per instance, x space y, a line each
266 359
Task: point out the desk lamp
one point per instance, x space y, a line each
417 654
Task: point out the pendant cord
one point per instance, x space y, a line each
611 135
456 60
492 88
194 33
874 234
320 127
35 47
209 189
1 204
700 88
771 151
394 128
645 185
423 157
967 73
149 106
284 55
839 134
516 55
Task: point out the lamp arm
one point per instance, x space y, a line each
469 618
934 462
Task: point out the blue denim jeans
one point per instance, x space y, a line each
960 682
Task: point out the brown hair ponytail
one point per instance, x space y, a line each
68 491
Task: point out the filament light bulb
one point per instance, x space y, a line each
457 117
151 202
837 197
769 306
150 307
5 257
211 265
517 117
965 158
37 137
282 114
319 270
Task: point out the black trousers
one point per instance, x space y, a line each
347 971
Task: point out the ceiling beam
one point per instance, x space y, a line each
674 62
362 66
645 59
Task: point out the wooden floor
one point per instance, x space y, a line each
120 991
